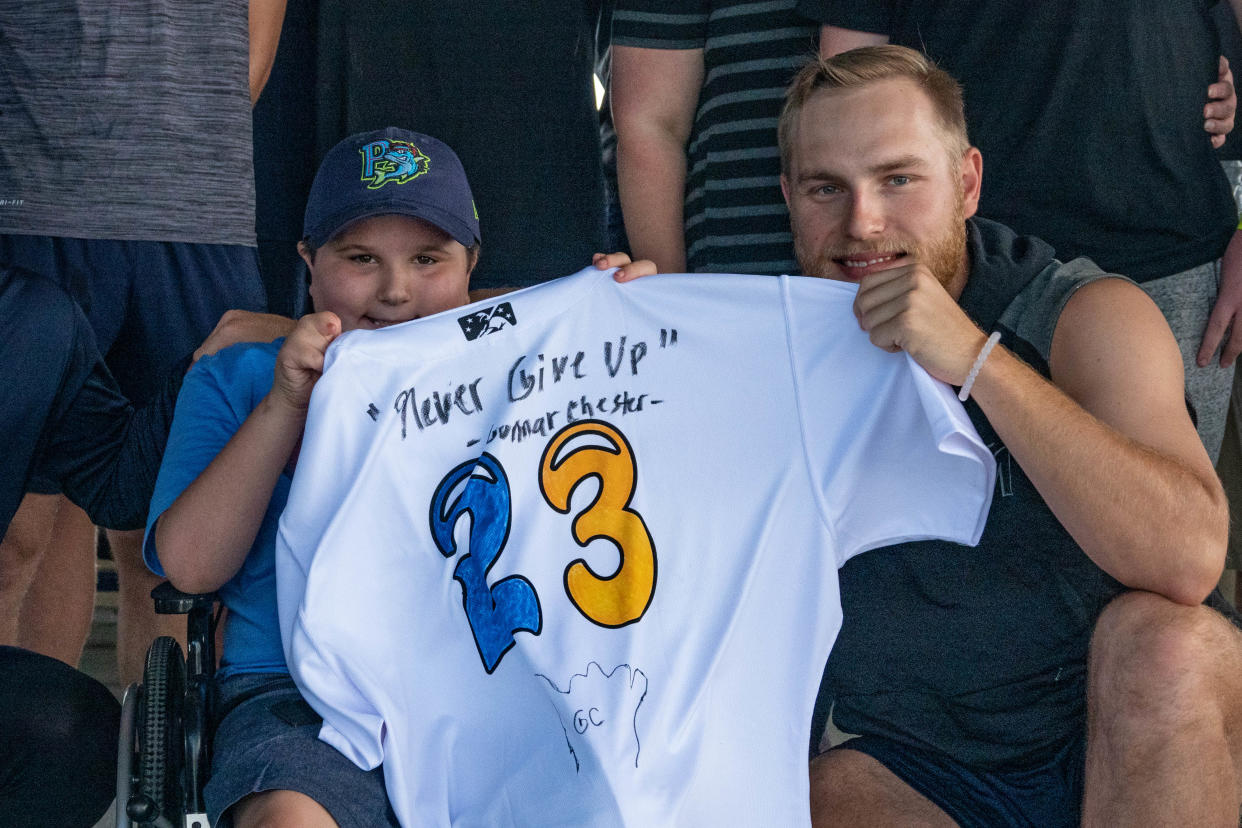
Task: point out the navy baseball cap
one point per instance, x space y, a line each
390 171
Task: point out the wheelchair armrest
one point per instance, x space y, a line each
171 601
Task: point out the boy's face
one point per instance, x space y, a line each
388 269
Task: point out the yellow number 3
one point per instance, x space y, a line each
623 597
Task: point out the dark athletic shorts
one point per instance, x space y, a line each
1048 795
269 741
150 304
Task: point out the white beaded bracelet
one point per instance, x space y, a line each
979 360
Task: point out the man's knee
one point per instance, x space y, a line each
1151 657
29 531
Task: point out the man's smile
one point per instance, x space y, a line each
858 265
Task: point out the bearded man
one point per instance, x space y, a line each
1064 671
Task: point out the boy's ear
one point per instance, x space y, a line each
306 253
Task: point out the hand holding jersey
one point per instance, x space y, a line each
300 360
906 308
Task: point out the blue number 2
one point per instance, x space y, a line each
494 613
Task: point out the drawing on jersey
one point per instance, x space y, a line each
495 613
599 711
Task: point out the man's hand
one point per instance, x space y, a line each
627 270
243 326
906 309
1221 106
300 361
1225 312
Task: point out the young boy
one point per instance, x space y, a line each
391 235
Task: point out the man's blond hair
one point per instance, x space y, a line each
858 68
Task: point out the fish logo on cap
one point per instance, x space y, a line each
391 162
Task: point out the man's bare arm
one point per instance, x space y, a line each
654 95
1110 447
266 19
244 326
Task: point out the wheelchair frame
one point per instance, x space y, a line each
164 751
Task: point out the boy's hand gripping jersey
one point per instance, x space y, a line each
569 557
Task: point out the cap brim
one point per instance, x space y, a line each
455 227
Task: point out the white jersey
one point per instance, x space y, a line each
570 557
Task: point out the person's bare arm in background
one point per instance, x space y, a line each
654 95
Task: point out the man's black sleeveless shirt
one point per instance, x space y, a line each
980 652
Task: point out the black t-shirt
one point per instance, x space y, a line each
1230 47
509 87
1089 114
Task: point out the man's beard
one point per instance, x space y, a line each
944 256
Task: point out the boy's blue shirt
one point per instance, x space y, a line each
218 394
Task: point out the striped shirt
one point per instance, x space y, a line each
735 217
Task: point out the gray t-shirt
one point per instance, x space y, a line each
126 120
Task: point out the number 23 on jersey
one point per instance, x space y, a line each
511 604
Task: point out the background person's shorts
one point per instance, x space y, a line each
270 741
150 304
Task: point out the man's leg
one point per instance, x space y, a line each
21 549
137 623
56 616
849 788
1164 716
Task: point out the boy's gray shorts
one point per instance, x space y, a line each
270 741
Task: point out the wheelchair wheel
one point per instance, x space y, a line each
159 797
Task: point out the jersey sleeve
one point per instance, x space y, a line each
334 445
875 16
339 432
338 692
660 24
890 450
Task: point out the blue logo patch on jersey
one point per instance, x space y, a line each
486 321
392 162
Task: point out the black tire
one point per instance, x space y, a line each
161 755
